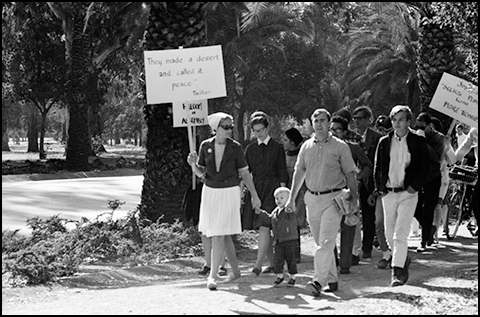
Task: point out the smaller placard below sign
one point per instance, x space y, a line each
198 113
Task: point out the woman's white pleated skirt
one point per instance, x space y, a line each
220 211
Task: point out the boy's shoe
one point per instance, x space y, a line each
314 287
367 255
291 283
211 284
382 264
204 271
222 271
278 281
257 271
268 269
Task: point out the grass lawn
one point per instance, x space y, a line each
117 156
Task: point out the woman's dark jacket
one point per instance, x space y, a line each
232 160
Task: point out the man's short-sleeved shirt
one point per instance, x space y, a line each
325 163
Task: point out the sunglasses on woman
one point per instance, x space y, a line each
226 127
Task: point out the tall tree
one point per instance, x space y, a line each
443 30
77 58
40 77
245 30
82 22
381 59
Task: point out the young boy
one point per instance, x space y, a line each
286 238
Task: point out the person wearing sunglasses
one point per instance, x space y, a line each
267 163
362 116
221 162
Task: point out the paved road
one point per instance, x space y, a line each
71 198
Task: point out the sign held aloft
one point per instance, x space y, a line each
457 98
198 113
184 74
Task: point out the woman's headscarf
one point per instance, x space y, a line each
215 118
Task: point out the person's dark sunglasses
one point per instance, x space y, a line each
226 127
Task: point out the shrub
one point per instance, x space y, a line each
52 251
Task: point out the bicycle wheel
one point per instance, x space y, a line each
454 215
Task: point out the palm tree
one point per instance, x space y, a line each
245 29
169 26
381 63
443 30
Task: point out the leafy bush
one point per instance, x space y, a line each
53 251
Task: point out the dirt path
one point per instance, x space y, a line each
443 280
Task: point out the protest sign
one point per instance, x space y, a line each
198 113
184 74
457 98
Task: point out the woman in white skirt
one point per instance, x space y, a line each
221 162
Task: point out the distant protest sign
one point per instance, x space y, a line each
184 74
198 113
457 98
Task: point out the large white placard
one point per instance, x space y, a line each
457 98
198 113
184 74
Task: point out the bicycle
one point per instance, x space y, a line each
459 211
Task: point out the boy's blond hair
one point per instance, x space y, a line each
281 190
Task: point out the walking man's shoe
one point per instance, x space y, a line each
422 247
344 270
396 277
314 287
383 263
205 270
331 287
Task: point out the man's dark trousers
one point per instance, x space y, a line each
368 220
427 201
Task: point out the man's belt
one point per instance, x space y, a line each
324 192
395 189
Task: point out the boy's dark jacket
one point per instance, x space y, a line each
416 172
284 224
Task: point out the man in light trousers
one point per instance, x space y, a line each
401 168
326 166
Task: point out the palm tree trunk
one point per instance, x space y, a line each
78 144
436 56
170 25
